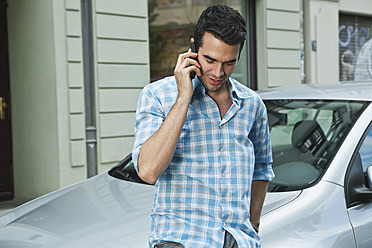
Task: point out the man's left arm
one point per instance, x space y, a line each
263 173
258 193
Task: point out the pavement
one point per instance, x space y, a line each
6 206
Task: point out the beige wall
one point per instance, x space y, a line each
321 26
38 82
69 60
122 70
278 43
361 7
47 88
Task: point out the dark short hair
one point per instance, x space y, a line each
222 22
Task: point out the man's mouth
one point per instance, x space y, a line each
214 81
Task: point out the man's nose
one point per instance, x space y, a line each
218 70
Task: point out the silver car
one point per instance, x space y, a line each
321 195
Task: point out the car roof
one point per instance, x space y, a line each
337 91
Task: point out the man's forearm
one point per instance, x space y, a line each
258 193
157 152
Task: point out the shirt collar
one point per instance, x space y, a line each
237 90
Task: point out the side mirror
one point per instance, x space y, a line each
125 170
356 190
369 176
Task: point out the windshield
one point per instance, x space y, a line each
305 136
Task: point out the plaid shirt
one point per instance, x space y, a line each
206 188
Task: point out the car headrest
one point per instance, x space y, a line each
308 135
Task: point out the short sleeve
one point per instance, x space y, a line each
149 117
260 137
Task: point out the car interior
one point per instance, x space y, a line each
307 138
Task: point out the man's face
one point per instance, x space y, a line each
217 60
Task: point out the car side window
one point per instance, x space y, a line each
366 151
357 188
305 137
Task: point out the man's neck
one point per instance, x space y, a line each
222 98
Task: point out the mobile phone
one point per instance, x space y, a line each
193 74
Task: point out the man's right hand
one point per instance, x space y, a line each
186 63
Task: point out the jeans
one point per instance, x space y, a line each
168 244
229 242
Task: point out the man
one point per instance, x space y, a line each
204 143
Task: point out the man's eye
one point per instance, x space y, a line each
230 63
209 61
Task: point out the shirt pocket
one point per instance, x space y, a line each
189 155
241 132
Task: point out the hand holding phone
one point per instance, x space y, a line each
187 67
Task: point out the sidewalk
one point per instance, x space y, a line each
6 206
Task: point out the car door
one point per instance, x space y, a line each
358 193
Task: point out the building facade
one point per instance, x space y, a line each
335 33
72 71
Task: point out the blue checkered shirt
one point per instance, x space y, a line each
205 190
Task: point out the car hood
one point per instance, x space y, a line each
275 200
100 212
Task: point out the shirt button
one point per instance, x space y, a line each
224 175
224 201
224 224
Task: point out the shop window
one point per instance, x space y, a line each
171 25
355 48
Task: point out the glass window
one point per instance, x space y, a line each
366 151
305 136
171 24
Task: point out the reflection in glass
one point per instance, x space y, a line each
366 151
171 24
305 136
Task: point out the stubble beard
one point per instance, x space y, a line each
217 88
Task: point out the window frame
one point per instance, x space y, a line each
356 188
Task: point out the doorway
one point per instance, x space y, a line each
6 168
